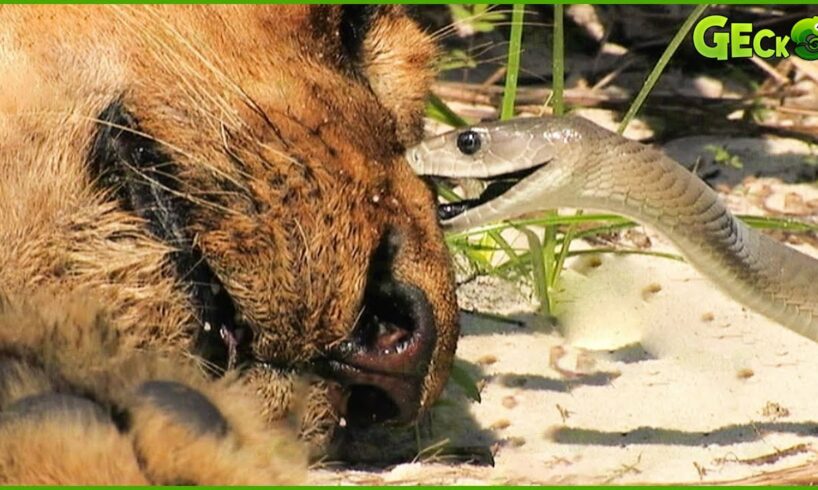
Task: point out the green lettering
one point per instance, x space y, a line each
740 40
720 39
761 35
781 47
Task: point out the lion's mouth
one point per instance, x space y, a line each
378 372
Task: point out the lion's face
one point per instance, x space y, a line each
265 145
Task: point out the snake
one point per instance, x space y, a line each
549 162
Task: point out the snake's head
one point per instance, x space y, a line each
512 156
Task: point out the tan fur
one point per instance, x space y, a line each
68 451
76 351
291 160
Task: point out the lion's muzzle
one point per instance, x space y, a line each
380 368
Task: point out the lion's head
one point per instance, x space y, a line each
262 146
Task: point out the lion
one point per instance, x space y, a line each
210 239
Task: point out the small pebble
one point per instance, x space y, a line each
585 362
650 290
487 360
774 411
516 441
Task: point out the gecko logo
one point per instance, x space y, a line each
713 38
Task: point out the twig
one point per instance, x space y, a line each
769 70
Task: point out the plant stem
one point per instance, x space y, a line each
660 66
551 263
438 110
558 71
539 270
564 249
515 43
549 260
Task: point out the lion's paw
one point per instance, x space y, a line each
129 417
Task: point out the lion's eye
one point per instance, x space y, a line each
468 142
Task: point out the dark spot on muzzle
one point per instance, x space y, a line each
380 369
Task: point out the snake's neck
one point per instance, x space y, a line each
643 184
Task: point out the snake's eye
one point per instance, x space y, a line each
468 142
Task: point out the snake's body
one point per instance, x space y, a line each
589 167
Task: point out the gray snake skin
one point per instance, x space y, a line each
577 164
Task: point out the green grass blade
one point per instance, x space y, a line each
505 246
549 256
492 234
438 110
626 251
564 249
551 220
614 222
539 270
660 66
773 223
558 80
606 229
446 192
461 377
513 69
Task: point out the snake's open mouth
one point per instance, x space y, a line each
377 373
498 185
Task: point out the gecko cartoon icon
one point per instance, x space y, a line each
805 36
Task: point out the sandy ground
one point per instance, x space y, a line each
647 374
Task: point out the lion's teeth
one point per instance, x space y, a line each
342 422
207 327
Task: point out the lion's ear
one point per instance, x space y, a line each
396 57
